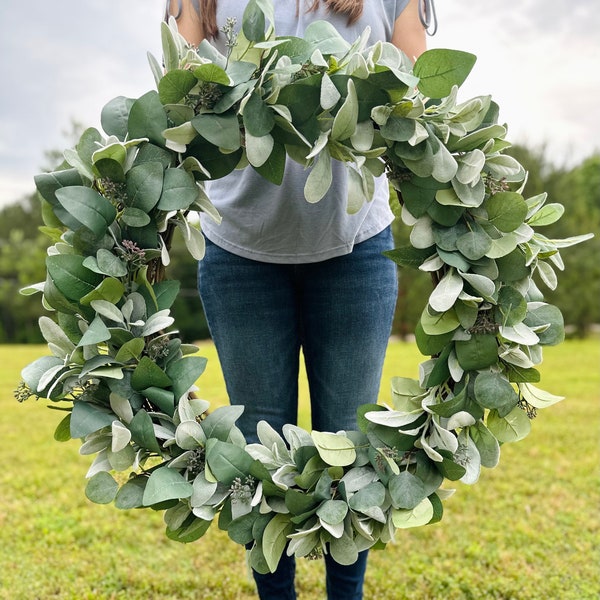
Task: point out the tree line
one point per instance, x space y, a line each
23 250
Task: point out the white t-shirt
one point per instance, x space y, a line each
270 223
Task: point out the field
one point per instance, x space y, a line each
530 529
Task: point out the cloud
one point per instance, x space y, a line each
63 66
538 60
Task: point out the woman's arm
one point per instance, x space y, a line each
188 20
409 33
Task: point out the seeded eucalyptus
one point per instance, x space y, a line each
126 381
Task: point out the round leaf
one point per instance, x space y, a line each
179 190
506 211
493 390
406 490
101 488
439 70
416 517
88 207
335 449
166 484
480 352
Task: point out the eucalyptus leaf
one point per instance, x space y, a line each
144 185
101 488
175 85
86 205
344 550
416 517
147 374
439 70
549 316
134 217
332 512
185 372
334 449
227 462
179 190
493 390
110 290
258 117
480 352
147 119
115 115
474 245
221 130
506 210
142 432
439 323
219 423
166 484
487 445
88 418
511 428
253 22
273 168
406 490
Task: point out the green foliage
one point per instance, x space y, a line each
126 379
22 254
541 500
578 191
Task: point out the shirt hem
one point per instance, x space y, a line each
295 258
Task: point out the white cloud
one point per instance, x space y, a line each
63 66
538 62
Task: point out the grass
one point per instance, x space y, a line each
528 530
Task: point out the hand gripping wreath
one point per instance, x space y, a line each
124 377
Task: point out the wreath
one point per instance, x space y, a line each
126 380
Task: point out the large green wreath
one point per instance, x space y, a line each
125 379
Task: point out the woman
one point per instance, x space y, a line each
281 274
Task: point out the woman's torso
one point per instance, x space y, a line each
271 223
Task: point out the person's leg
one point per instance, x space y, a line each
347 309
345 582
278 585
251 312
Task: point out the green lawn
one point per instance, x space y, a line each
530 528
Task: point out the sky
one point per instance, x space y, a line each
61 62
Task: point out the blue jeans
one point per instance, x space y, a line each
339 312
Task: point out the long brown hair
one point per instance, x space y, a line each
207 12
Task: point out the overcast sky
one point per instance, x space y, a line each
62 61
